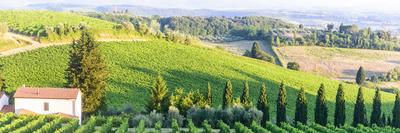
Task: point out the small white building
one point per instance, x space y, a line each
4 99
63 101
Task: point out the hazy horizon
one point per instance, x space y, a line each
353 5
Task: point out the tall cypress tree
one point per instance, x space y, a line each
87 71
383 120
262 104
321 109
301 107
228 95
360 77
245 98
340 108
281 105
360 114
209 94
376 108
3 84
396 112
158 93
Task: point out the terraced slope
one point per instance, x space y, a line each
134 65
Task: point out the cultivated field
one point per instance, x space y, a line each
339 63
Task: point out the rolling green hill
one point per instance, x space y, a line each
134 65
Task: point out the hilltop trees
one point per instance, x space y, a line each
360 114
228 95
376 108
281 105
301 107
257 53
158 93
360 77
321 109
396 112
262 104
87 71
245 98
340 108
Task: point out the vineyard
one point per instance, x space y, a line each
99 124
48 26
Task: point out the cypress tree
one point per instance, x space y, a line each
209 94
301 107
382 123
396 112
360 77
321 109
3 84
87 71
245 98
262 104
360 114
281 105
389 121
376 108
228 95
158 93
340 108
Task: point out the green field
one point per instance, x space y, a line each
134 65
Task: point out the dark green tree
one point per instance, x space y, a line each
293 66
383 120
281 105
262 104
376 108
257 53
321 109
301 107
209 94
340 108
396 112
360 114
158 93
245 98
3 84
228 95
360 77
87 71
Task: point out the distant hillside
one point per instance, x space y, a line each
134 66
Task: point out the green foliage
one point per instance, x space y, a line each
376 108
290 128
20 122
184 101
360 77
158 126
192 127
245 98
123 128
360 113
301 108
71 126
340 108
87 71
293 66
106 127
321 109
209 95
228 95
274 128
262 104
396 112
88 127
258 53
281 105
31 126
51 127
141 127
158 93
224 128
3 84
257 128
240 128
206 127
175 126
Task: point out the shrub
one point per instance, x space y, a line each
69 127
252 115
173 114
206 127
138 118
224 128
293 66
192 127
226 115
155 117
175 126
240 128
158 126
123 128
107 127
257 128
141 127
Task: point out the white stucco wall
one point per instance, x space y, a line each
78 107
37 105
3 101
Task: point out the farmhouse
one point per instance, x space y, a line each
63 101
4 102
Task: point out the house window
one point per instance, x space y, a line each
46 106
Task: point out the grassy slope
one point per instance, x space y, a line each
135 65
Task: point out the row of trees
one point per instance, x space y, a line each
159 94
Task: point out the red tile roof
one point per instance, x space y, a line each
47 93
8 109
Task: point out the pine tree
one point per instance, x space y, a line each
228 95
301 108
281 105
3 84
321 109
209 94
87 71
376 108
340 108
396 112
245 98
382 123
158 93
360 77
360 114
262 104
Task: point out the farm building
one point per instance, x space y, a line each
63 101
4 101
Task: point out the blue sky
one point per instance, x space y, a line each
382 5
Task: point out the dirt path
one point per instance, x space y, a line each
35 45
